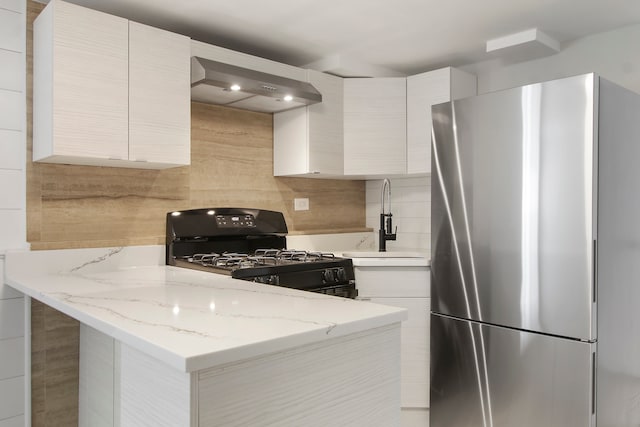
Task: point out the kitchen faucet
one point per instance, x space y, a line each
385 218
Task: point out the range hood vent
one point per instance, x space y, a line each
214 82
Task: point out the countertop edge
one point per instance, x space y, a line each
217 356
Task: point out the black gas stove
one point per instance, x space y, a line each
250 244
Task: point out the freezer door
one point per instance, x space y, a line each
497 377
513 208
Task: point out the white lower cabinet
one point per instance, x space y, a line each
406 287
352 381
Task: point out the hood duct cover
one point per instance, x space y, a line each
211 83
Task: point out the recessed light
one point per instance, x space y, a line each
235 88
288 98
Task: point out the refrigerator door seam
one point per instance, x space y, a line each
587 341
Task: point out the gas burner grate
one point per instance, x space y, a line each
261 257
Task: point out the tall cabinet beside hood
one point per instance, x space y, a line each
308 141
108 91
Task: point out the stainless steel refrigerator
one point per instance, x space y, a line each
535 272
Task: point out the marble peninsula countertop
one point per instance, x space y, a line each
188 319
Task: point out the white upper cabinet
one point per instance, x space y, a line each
423 91
309 140
80 84
86 102
159 96
375 127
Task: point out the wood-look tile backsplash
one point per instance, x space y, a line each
231 165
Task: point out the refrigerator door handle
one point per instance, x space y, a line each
595 270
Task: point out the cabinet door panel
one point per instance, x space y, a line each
423 91
326 147
290 142
375 126
90 92
414 352
159 96
309 140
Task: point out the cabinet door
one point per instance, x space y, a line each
87 81
159 96
414 350
291 142
423 91
309 140
375 126
326 130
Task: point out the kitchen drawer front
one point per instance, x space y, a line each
401 282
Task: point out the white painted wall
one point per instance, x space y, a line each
411 209
614 55
12 208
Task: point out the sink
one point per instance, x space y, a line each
372 254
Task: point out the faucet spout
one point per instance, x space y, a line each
386 227
385 193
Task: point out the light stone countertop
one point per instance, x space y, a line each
188 319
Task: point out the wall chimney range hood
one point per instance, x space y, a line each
215 82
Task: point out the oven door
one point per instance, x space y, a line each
324 281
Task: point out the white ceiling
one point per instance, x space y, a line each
407 36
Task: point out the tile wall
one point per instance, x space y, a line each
411 209
12 206
12 123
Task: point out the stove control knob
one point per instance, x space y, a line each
328 276
341 274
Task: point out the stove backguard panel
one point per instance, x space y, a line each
223 230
